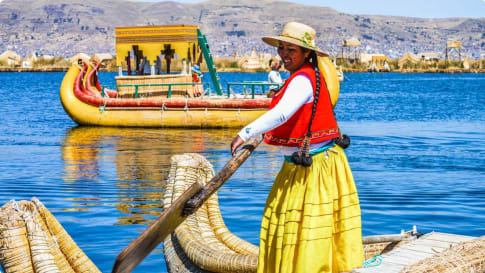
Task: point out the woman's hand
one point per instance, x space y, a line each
236 142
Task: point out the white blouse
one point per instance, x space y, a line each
299 92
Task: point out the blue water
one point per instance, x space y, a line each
417 154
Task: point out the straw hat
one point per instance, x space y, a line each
298 34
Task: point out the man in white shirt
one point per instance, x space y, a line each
274 74
274 77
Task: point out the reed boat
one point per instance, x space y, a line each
203 243
86 105
147 96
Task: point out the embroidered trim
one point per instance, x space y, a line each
298 140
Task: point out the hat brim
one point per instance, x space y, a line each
275 41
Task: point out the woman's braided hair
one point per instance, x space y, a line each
302 157
314 61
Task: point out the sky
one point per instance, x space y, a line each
410 8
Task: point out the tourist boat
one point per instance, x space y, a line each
163 99
203 243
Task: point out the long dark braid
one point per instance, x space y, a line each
314 62
302 157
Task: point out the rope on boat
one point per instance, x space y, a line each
101 108
186 108
375 261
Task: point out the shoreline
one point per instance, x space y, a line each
224 70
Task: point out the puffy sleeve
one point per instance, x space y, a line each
298 93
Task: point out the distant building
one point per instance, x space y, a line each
251 62
46 57
366 58
428 56
100 57
350 50
423 57
80 56
453 46
408 58
10 58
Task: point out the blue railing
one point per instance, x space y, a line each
206 85
252 85
136 86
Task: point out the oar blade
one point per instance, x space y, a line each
186 204
153 236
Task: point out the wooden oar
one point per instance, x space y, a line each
185 205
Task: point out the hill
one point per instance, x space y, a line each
60 27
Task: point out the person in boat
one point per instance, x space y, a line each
274 77
312 219
196 78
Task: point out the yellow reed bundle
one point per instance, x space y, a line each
233 242
42 258
14 245
32 240
195 246
463 257
78 261
59 258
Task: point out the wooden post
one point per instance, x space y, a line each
128 63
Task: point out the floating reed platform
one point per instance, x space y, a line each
434 252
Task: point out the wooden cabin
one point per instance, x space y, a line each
145 50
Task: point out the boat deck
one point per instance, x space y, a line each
413 252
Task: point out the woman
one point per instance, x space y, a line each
311 221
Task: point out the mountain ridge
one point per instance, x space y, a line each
63 28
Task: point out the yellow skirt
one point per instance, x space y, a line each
311 221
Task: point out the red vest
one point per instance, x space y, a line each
293 131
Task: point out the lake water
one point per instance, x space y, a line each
417 155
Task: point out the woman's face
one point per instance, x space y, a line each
293 56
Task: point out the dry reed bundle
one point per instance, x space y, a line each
42 258
75 256
14 245
370 250
195 246
464 257
32 240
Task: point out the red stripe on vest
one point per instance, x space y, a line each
293 131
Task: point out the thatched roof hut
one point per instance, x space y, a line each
99 57
82 56
408 58
10 57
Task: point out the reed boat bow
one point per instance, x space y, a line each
82 100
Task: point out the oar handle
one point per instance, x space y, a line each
173 216
221 177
